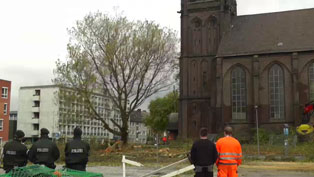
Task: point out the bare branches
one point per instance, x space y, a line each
126 61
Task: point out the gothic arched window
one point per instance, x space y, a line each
196 36
238 91
194 77
276 92
212 35
205 76
311 81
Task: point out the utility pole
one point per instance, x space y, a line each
256 115
286 139
174 95
157 144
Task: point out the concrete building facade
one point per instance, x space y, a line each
46 107
5 98
235 69
138 131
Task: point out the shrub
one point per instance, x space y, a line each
262 134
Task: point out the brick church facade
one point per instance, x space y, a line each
229 64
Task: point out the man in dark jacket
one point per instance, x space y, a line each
203 155
14 152
44 151
76 152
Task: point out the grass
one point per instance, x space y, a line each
251 149
286 166
301 149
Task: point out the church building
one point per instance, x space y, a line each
235 69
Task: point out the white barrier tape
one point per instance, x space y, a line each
175 163
124 161
132 162
182 170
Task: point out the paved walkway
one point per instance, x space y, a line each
137 172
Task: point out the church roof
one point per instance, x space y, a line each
289 31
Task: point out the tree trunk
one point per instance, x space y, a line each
124 136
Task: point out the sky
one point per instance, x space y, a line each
33 33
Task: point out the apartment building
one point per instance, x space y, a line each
138 132
5 98
47 107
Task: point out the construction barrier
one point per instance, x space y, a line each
130 162
174 173
178 172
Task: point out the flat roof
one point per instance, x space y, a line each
38 86
56 86
5 80
13 112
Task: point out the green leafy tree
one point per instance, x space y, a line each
160 109
124 60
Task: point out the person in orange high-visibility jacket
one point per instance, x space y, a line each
229 155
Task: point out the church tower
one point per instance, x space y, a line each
203 23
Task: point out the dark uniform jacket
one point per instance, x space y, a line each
203 153
44 152
76 154
14 154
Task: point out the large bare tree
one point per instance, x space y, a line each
125 60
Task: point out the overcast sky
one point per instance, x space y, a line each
33 32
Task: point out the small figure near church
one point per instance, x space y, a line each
230 154
203 155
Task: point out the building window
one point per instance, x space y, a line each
311 81
238 91
36 103
276 92
13 116
5 109
36 115
4 93
196 35
1 124
35 126
212 35
37 92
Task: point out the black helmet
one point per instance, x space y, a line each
77 132
44 131
19 134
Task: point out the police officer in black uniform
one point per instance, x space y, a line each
44 151
14 152
203 155
76 152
